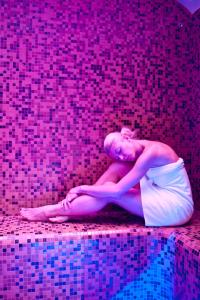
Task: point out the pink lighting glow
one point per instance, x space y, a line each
70 73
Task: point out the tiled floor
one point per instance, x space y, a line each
14 227
110 255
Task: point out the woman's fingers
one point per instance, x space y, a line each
66 203
71 197
72 194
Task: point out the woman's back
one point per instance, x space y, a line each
162 153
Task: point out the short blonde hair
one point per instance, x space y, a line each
111 137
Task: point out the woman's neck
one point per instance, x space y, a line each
144 143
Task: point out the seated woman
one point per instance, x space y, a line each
147 178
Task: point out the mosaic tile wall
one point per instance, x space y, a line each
72 72
196 111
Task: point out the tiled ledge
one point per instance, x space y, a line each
105 222
80 259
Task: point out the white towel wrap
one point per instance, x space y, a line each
166 195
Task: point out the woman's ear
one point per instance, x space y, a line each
127 133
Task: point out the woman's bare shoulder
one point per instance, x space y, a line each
161 153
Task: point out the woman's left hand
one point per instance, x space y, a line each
71 195
109 190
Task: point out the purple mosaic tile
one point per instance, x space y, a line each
195 107
117 258
72 72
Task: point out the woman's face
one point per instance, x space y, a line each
124 149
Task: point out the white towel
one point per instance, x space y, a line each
166 195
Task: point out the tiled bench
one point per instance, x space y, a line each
110 255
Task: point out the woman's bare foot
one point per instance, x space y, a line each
34 214
43 213
59 219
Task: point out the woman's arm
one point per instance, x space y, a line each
116 171
143 163
111 174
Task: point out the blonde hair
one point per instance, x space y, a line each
111 137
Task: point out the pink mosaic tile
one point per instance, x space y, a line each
72 72
105 257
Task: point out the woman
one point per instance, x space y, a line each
147 178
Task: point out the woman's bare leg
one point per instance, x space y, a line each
82 205
85 205
131 201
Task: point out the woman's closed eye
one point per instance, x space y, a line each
118 150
